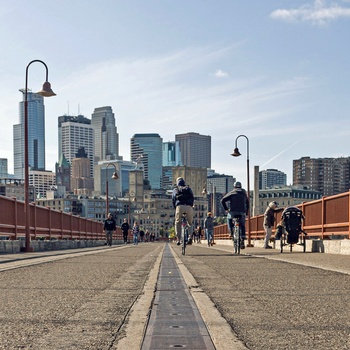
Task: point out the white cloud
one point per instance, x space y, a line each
320 12
221 74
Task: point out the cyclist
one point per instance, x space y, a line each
183 200
239 205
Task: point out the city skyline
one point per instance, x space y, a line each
275 72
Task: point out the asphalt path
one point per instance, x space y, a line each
100 298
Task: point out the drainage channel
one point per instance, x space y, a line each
175 322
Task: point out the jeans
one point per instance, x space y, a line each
109 235
209 234
230 216
135 239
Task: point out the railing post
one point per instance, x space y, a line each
50 224
323 211
16 217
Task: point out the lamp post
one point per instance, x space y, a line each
114 177
236 153
212 193
130 194
46 91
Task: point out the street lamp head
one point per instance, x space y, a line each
236 152
115 176
46 91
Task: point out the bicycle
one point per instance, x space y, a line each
184 233
237 234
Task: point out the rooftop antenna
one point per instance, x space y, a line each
68 106
78 109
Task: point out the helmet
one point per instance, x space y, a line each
180 181
237 185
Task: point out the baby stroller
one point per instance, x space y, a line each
292 218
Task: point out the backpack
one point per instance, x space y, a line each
184 194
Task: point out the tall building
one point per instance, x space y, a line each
106 136
75 132
171 153
36 135
223 183
195 149
271 177
63 171
330 176
3 168
81 182
171 158
147 149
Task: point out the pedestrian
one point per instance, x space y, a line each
109 227
183 199
209 228
147 235
198 234
135 232
239 206
125 229
269 220
142 234
152 237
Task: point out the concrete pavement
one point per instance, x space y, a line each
101 300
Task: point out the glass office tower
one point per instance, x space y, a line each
147 150
36 135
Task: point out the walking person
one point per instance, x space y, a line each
269 220
239 205
183 200
109 227
209 228
135 233
125 229
142 234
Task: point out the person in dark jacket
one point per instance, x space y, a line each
125 229
183 203
209 228
269 220
109 227
238 205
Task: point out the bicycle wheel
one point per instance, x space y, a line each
184 239
237 238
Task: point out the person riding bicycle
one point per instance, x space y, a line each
239 205
183 200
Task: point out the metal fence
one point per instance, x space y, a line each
325 218
46 223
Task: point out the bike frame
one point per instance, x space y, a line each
184 234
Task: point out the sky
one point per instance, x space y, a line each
275 71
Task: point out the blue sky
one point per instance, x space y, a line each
275 71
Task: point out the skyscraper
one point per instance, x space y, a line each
195 149
271 177
330 176
106 136
74 133
36 135
171 153
147 148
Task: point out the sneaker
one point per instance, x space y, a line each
268 247
178 243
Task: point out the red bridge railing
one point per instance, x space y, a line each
324 218
46 223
